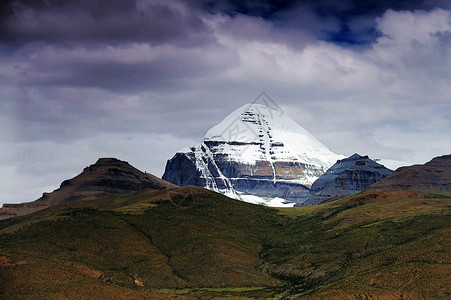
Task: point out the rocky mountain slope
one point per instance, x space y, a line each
433 176
256 150
106 177
347 176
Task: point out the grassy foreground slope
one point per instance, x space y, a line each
189 242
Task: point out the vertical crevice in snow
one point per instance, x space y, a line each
202 166
225 180
265 138
204 157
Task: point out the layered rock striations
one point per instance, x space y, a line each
347 176
256 150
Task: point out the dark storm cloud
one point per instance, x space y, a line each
101 21
120 70
346 21
124 77
115 21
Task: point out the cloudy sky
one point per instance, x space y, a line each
141 79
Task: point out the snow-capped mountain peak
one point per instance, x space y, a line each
256 150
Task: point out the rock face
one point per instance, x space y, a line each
106 177
433 176
347 176
256 150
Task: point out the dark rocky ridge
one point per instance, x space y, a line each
180 170
108 176
433 176
347 176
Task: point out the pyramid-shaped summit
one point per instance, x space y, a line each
256 150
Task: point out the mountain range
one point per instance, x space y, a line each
166 242
256 154
114 231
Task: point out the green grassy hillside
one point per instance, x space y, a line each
189 243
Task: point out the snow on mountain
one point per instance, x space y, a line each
268 134
275 202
